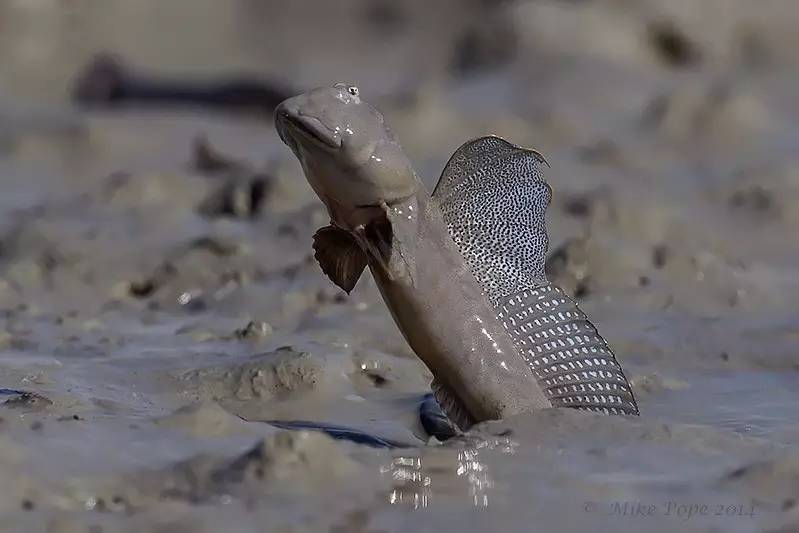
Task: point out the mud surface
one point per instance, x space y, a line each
159 298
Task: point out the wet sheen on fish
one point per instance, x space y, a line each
461 271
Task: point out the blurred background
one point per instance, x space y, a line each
671 123
153 226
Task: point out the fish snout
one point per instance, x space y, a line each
287 113
282 114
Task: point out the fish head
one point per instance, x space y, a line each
349 156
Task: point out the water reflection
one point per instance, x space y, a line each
458 471
411 485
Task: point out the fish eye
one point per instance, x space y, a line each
353 90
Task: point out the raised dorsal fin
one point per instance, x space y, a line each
493 197
477 153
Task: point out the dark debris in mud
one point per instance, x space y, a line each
190 272
486 46
243 189
23 400
107 81
237 198
661 253
254 331
385 16
755 200
568 267
602 152
593 207
671 45
209 160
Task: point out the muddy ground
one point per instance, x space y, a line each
157 301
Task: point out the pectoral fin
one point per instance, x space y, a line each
340 257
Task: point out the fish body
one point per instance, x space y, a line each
461 271
444 315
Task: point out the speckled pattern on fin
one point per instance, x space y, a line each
493 197
340 257
451 405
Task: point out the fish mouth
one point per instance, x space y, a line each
308 127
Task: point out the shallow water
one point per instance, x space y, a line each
753 403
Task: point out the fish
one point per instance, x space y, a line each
461 270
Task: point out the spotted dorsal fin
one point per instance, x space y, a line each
493 197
